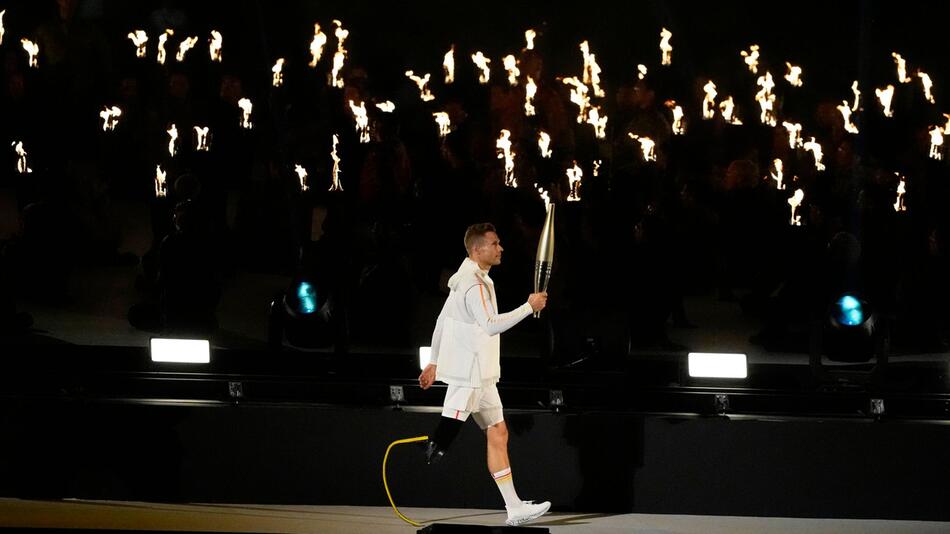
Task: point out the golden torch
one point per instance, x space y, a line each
544 260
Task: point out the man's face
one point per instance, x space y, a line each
489 251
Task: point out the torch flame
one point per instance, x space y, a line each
21 166
214 45
482 63
246 107
901 189
448 65
766 99
529 36
901 68
545 198
386 107
162 39
442 120
336 185
678 127
574 176
857 95
591 70
646 146
338 60
751 58
794 202
709 102
815 149
928 85
183 48
341 35
317 44
777 174
597 164
201 138
530 90
946 127
511 65
278 69
665 48
846 114
423 82
340 56
728 107
160 184
884 96
936 141
161 189
579 97
641 71
544 143
110 118
2 29
794 134
599 123
172 137
139 38
504 152
301 177
32 49
362 120
794 75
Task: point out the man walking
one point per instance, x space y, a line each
466 356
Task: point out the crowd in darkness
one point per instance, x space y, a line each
704 218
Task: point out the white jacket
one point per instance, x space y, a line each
465 343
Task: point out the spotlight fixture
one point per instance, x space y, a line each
303 313
853 336
851 330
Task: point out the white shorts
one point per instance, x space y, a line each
483 404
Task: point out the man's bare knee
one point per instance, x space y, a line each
498 434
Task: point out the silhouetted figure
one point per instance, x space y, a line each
187 288
187 277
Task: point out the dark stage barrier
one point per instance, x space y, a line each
587 462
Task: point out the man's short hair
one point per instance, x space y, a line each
474 234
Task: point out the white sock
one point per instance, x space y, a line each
507 488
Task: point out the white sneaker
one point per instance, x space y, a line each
529 511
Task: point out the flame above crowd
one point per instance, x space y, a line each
583 87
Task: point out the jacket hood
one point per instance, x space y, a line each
466 271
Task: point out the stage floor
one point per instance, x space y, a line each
115 515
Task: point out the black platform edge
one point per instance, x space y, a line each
449 528
30 530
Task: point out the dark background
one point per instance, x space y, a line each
87 211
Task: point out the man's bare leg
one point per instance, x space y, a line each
498 466
518 511
497 435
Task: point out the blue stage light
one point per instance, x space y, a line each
306 298
849 311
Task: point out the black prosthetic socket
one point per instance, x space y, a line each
442 439
446 432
